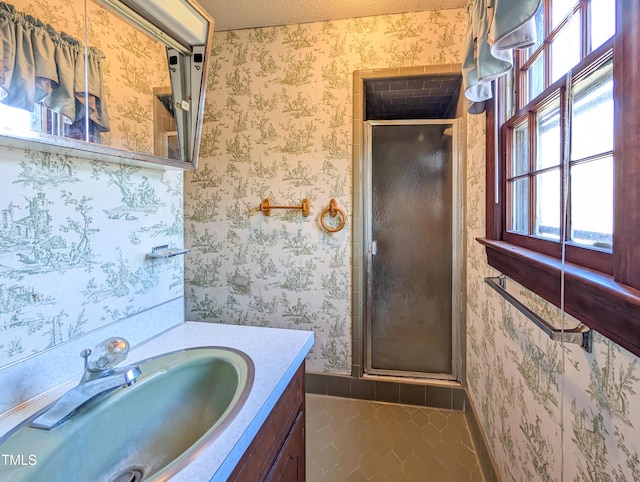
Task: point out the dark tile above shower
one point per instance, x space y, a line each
424 97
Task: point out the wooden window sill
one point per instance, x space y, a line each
612 309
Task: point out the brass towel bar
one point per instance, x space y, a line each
266 207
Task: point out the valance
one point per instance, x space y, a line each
494 29
39 64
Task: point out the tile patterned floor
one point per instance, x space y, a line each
358 440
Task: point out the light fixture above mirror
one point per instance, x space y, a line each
179 21
187 31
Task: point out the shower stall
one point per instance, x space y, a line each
412 248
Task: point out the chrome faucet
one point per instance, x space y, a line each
99 378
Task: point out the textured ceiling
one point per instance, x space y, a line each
239 14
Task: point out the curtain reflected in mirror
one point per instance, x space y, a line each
43 72
128 97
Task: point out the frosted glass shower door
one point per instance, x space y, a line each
408 230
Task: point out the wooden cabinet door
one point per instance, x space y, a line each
289 465
283 431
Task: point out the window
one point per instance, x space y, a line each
537 136
572 144
44 121
14 119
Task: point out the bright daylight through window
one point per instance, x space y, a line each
14 119
563 165
536 135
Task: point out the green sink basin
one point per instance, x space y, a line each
148 431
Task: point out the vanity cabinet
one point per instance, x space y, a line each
277 453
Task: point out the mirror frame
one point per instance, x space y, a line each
47 143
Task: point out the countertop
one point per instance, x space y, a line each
276 353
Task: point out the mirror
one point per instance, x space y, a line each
136 92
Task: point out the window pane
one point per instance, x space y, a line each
592 123
559 10
519 196
603 21
548 205
520 158
592 203
535 79
539 32
548 147
565 49
11 118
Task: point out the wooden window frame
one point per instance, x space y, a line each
605 297
582 255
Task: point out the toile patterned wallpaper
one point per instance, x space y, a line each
526 387
73 239
74 233
278 125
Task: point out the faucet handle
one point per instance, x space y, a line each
106 354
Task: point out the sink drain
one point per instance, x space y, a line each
131 474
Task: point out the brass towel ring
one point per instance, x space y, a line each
333 210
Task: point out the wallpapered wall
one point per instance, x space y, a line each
133 66
74 233
278 125
73 239
526 387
